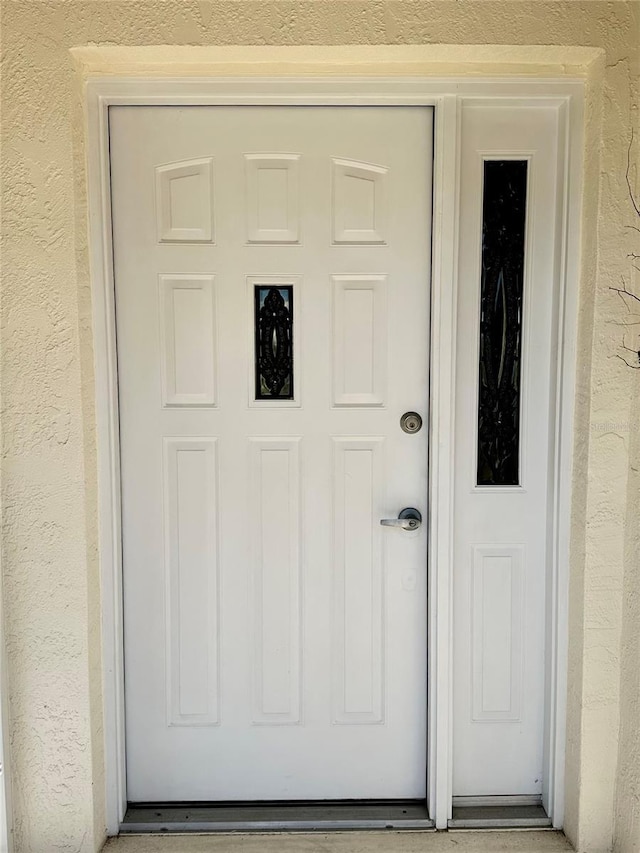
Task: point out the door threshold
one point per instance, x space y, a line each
512 816
276 817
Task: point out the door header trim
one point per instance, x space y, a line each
441 63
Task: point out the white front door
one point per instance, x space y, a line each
272 293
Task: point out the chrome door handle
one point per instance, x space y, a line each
408 519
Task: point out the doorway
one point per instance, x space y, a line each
452 101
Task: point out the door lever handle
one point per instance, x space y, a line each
408 519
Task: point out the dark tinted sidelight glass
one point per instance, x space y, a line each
503 236
273 318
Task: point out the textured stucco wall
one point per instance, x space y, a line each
627 797
49 465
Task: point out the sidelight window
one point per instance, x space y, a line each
501 292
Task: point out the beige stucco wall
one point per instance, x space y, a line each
49 463
627 799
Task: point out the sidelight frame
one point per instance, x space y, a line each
447 97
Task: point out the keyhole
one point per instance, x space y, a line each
411 422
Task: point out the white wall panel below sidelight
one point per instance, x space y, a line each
497 620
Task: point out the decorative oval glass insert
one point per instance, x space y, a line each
273 319
503 240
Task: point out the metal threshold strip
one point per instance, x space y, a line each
278 816
498 813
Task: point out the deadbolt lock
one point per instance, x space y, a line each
411 422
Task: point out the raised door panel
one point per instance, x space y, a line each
358 625
187 333
192 581
184 201
272 198
359 203
359 340
276 581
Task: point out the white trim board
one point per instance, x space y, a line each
447 96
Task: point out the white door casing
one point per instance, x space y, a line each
448 96
275 633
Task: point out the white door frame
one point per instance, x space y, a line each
447 97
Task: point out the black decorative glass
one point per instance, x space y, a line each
273 316
503 239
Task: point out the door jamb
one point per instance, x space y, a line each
447 97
